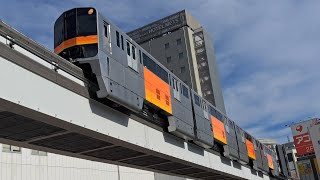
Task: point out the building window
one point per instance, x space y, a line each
180 55
166 46
169 59
38 153
183 69
178 41
10 148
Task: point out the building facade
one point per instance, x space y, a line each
315 138
18 163
291 158
308 168
183 46
306 136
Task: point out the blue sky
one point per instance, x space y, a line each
267 51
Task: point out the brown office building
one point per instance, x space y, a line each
181 44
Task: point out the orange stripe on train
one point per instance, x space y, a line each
157 91
81 40
219 131
250 148
270 161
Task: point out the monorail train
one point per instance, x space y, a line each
130 79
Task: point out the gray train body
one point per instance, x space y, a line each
125 76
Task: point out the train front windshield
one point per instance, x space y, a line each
75 34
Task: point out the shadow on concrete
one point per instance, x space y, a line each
173 140
195 149
225 160
237 165
109 113
254 172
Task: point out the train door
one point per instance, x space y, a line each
107 36
176 85
227 124
205 109
132 56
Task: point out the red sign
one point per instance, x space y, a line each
301 137
303 144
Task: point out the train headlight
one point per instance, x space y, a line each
90 11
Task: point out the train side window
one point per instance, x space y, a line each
140 58
128 48
185 91
122 45
148 62
174 87
255 145
105 30
204 107
196 100
118 38
177 85
219 116
107 35
230 124
237 130
155 68
133 52
211 111
163 74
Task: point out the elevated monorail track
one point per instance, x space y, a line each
45 104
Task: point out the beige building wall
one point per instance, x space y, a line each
25 164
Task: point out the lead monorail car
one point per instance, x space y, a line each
128 77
